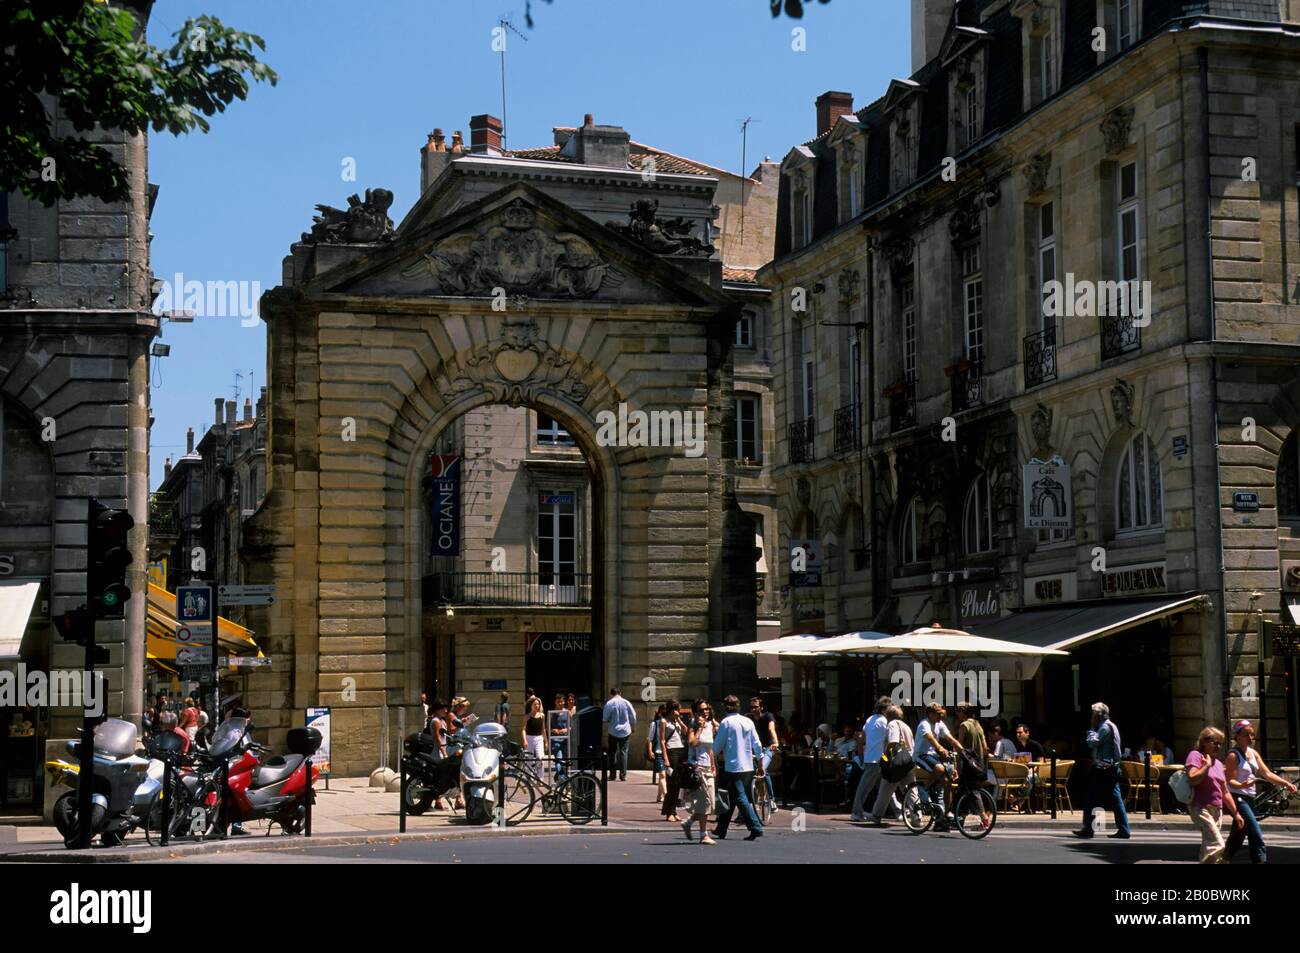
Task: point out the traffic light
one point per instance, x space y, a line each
77 626
107 557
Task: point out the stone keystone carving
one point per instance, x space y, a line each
1121 402
516 255
361 223
848 282
672 236
518 367
1036 170
1115 128
1040 425
803 492
899 251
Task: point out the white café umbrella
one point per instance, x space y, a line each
851 643
751 648
940 648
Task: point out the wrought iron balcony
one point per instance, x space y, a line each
162 520
1040 357
902 406
506 589
848 429
967 385
1119 336
800 435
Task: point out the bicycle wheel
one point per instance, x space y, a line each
758 797
917 815
579 799
976 813
520 797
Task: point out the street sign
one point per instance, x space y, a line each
247 595
194 604
248 661
194 654
196 633
197 673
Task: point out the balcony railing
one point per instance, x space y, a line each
162 520
967 386
1040 357
507 589
1119 335
902 406
800 435
848 430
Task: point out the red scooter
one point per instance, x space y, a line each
274 789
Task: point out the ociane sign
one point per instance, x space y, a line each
445 515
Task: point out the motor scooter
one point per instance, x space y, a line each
480 768
118 772
257 787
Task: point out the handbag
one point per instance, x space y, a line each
896 762
1181 785
687 777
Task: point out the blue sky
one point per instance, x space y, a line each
368 81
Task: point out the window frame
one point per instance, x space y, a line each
907 306
1128 206
755 402
1129 483
808 369
909 528
972 293
555 433
1046 247
744 337
983 521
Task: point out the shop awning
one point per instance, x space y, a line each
16 600
161 628
1068 627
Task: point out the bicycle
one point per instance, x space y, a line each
1274 802
758 797
974 811
577 798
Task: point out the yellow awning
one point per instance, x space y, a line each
161 625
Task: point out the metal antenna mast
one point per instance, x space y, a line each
744 145
504 25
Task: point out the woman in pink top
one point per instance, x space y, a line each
1210 794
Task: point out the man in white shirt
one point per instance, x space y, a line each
735 749
875 733
620 719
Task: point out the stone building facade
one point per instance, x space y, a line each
524 281
75 332
1021 152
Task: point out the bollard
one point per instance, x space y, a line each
1053 791
604 793
501 792
166 804
401 807
1146 778
785 780
311 796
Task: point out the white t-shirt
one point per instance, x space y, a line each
875 732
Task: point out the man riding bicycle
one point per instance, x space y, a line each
931 755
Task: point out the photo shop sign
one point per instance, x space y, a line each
445 515
1047 498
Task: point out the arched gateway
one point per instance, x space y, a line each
494 292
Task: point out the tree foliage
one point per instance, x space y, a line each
94 58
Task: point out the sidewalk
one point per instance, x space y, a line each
351 812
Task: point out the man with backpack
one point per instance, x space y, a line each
875 734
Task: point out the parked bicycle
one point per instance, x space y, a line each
1273 802
577 797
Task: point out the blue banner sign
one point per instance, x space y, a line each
445 518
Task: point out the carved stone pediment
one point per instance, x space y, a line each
516 367
517 255
362 222
1115 129
1121 402
899 252
848 284
668 236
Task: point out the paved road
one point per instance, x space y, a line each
844 846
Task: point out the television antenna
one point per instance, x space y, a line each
505 26
744 157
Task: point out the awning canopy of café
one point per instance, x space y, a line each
160 628
953 649
1068 627
750 648
16 600
850 643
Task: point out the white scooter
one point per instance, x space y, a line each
480 769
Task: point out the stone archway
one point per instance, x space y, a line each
371 357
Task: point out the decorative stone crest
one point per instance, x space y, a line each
517 368
851 481
899 252
518 256
964 222
361 223
1036 170
1121 402
672 236
1115 128
1040 425
849 281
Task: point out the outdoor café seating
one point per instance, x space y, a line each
1045 789
1138 784
1012 784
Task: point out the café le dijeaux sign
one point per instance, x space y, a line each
1048 501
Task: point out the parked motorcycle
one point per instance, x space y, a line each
480 767
186 814
472 764
118 772
274 789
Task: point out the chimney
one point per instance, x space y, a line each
606 146
930 20
831 105
230 413
457 143
485 135
167 467
248 409
433 159
189 441
217 403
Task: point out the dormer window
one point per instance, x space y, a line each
1040 22
964 58
903 144
1125 27
850 183
801 207
966 118
1122 21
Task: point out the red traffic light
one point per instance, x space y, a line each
74 625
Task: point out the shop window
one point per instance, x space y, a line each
977 518
1139 503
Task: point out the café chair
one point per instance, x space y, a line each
1134 773
1013 782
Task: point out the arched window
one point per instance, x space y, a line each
977 517
1139 502
909 534
1288 479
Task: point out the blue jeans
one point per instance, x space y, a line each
618 756
767 761
737 786
931 762
1258 852
559 751
1103 792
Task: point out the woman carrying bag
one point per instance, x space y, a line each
672 734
